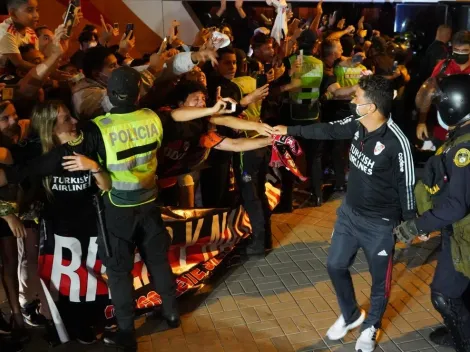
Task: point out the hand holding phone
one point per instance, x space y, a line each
261 80
129 28
69 19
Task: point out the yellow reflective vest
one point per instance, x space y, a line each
131 142
247 85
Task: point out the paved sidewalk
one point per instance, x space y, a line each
285 302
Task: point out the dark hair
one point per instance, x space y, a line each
347 42
94 60
26 48
379 91
183 90
225 24
327 48
227 50
87 36
89 28
253 65
378 44
461 38
39 29
259 39
14 4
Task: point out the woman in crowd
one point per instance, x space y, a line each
68 200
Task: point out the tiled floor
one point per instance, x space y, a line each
285 301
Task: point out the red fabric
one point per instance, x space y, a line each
283 149
210 139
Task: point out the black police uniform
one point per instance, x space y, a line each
451 204
446 179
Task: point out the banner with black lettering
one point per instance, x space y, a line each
75 279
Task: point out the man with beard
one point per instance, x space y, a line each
381 180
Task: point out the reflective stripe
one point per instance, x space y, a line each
130 164
126 186
308 95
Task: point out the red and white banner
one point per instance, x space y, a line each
75 278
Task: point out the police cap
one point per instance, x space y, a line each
124 86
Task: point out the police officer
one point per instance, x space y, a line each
443 200
131 138
311 81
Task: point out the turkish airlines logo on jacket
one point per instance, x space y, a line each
379 147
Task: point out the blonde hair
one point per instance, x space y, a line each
43 121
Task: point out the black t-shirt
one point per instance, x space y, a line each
71 201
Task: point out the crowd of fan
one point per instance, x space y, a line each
50 95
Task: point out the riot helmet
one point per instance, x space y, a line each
450 95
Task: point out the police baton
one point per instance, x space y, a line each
104 233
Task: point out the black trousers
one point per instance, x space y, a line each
447 280
313 150
215 182
351 232
250 170
128 228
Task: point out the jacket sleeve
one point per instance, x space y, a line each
456 206
343 129
404 171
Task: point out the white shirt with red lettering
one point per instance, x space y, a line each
11 40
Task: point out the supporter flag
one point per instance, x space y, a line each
75 279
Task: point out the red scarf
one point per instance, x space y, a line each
283 149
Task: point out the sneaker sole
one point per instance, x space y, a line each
86 342
351 326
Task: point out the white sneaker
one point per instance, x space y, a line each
366 342
339 329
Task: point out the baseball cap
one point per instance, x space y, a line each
124 86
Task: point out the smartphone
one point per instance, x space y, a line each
116 25
307 24
395 65
176 31
163 46
70 18
77 3
130 27
261 81
7 93
301 56
267 67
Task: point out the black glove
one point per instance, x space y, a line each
407 231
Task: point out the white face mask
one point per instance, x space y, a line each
441 123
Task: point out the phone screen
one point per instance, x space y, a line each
116 25
70 18
261 81
130 27
7 93
267 67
